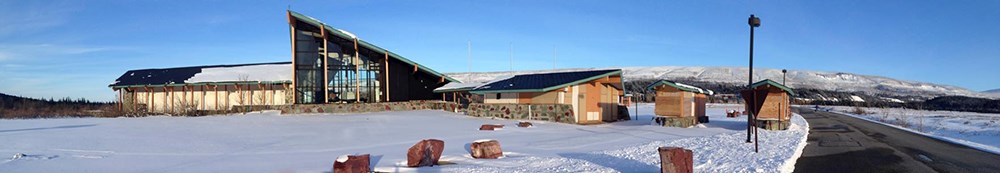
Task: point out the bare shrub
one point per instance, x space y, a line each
859 111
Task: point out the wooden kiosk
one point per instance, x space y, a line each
678 104
775 113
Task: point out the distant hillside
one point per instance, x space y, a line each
799 79
21 107
997 91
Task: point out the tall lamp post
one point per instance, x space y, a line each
753 22
783 72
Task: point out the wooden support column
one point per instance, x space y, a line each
291 23
203 98
326 67
135 100
184 96
172 100
226 88
191 101
146 99
120 103
386 64
357 71
250 88
152 99
263 94
239 91
215 93
165 103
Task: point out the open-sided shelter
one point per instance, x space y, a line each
595 95
203 88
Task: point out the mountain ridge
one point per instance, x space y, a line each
804 79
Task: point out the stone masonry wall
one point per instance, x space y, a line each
355 107
562 113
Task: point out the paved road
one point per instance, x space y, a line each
840 143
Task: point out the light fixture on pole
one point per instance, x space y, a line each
783 72
753 22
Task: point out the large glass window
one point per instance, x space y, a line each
350 75
308 65
352 79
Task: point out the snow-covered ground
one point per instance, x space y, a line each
267 142
977 130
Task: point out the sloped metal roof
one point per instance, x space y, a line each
772 83
543 82
362 43
680 86
179 75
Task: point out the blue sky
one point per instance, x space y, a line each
76 48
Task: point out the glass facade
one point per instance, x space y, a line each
308 65
349 78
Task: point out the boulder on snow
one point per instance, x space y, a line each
676 160
490 126
524 124
352 164
486 149
427 152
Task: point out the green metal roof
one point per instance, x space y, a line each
772 83
365 44
682 87
546 89
204 83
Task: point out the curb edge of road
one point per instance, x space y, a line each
789 165
940 138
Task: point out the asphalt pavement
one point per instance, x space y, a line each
841 143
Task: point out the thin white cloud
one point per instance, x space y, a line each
9 52
20 17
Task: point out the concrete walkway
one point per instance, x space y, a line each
840 143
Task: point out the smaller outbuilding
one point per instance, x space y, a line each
775 113
579 97
678 104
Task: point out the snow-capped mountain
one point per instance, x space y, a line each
803 79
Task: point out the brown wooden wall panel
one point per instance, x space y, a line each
668 104
700 100
776 104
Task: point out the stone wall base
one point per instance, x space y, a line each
354 107
675 121
773 124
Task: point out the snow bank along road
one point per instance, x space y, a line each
267 142
840 143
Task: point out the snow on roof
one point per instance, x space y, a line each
348 33
257 73
681 86
700 90
260 72
456 86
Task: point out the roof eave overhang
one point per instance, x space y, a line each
199 84
547 89
365 44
